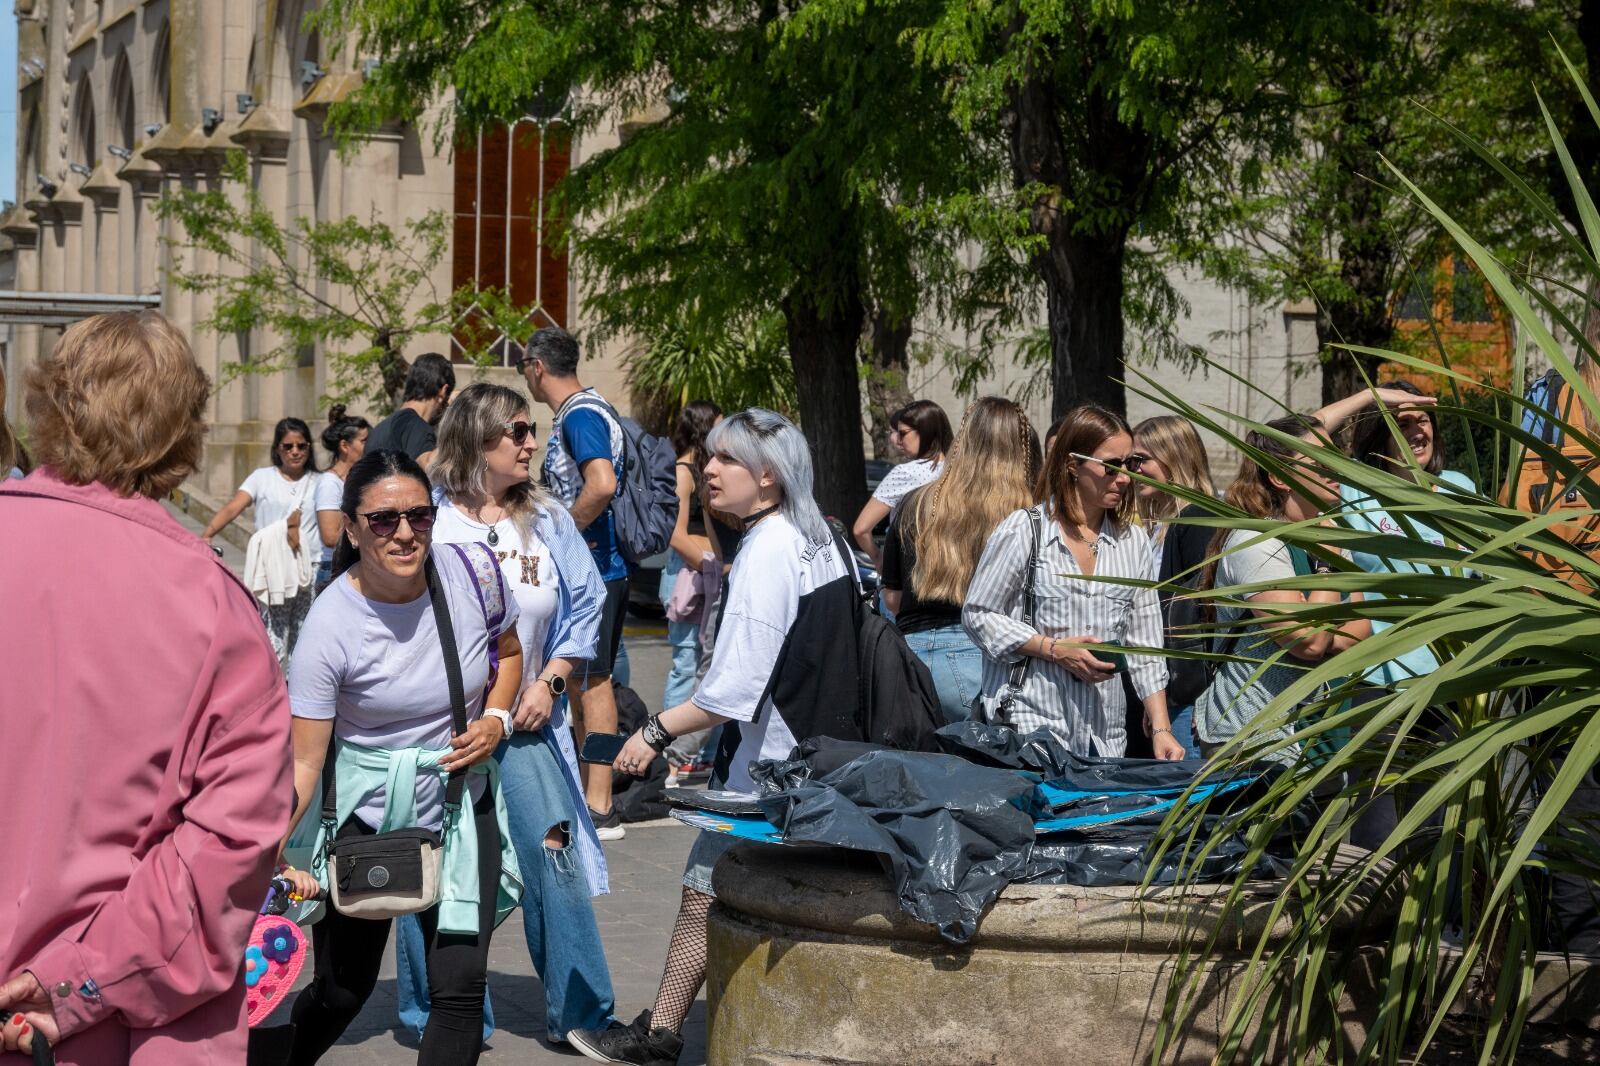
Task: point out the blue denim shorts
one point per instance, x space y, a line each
708 848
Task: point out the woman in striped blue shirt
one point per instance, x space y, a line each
1086 547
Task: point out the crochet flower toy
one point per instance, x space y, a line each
276 954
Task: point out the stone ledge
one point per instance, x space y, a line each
831 890
202 508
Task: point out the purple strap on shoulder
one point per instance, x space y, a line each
491 621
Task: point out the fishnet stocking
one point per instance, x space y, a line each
686 963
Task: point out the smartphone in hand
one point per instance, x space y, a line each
602 748
1117 659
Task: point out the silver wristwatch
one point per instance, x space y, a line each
555 683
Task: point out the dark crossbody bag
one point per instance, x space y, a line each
399 872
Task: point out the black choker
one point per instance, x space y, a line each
756 516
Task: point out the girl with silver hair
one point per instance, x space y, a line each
790 596
480 473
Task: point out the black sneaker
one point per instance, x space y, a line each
607 826
636 1044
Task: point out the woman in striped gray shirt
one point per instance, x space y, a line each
1085 536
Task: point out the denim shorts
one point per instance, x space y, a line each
708 848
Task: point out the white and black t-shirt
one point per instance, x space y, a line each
905 478
775 570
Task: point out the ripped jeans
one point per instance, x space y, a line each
557 915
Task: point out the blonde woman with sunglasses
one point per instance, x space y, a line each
1086 547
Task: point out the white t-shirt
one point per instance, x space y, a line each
529 572
377 669
906 477
774 568
275 497
328 496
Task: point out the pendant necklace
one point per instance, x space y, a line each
494 536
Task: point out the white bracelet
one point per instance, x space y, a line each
502 714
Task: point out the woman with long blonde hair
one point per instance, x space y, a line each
938 535
1175 455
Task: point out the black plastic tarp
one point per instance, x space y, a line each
956 828
953 833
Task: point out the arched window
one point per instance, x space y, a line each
123 117
505 222
85 144
30 152
161 78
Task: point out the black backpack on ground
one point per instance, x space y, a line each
645 508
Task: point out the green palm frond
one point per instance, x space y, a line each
1484 753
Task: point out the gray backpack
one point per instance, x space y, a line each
645 508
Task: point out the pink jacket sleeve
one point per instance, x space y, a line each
173 938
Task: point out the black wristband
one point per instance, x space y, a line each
655 734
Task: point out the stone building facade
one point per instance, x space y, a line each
120 100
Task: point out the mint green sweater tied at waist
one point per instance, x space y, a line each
360 771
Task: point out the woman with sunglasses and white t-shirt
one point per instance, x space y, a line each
1086 535
283 492
480 473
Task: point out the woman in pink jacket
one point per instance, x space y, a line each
146 780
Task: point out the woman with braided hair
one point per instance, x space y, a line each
938 534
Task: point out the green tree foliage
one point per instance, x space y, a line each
772 183
752 371
1108 114
362 289
1329 223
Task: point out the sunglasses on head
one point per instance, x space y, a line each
519 430
384 523
1128 463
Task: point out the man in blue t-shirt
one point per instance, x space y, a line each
582 467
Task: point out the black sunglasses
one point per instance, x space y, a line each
384 523
519 430
1128 463
289 446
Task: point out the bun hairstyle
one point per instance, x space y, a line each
341 429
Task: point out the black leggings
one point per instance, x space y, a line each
347 952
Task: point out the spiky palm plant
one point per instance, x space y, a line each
1481 755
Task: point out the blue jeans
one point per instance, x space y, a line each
557 913
956 665
620 673
1183 730
683 637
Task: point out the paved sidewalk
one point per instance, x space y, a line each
635 923
636 919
